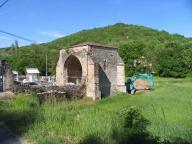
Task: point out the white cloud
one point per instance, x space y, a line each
4 38
51 34
40 42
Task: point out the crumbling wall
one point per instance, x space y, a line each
8 78
8 81
88 76
112 74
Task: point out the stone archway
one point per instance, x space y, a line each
73 70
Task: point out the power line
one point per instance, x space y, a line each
17 36
4 3
11 34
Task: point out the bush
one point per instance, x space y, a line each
175 61
135 128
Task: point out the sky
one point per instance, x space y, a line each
46 20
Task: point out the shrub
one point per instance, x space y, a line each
135 128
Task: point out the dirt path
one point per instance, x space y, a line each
8 137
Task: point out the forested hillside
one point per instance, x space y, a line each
142 49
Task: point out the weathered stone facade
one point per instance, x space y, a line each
6 76
98 67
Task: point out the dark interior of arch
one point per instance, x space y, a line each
74 70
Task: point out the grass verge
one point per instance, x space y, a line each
168 108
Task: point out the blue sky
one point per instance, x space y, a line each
46 20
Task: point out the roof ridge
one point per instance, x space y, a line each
92 44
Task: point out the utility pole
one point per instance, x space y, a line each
46 67
2 68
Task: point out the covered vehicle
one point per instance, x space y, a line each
138 82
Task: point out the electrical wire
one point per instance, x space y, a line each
3 4
17 36
11 34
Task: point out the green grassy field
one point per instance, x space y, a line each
168 108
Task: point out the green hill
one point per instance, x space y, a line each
134 42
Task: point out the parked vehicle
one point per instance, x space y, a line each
34 84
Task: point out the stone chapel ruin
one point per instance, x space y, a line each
96 66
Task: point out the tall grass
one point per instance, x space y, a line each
168 108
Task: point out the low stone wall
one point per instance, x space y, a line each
6 95
52 93
52 96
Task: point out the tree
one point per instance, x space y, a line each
130 52
174 61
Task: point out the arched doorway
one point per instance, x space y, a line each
73 70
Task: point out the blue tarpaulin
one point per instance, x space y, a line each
132 80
